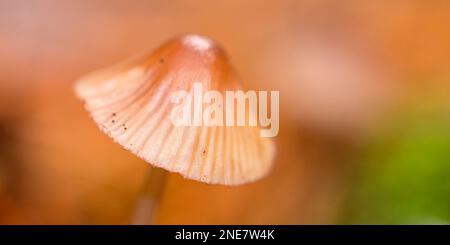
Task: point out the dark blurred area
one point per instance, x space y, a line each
364 127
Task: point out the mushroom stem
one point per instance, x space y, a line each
149 196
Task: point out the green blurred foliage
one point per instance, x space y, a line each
403 177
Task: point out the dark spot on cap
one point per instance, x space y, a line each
114 114
204 151
113 121
161 60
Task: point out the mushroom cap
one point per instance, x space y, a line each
131 103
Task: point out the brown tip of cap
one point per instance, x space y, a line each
194 49
198 43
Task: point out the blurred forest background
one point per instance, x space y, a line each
364 134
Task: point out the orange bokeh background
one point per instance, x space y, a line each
340 67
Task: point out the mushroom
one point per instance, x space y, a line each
131 103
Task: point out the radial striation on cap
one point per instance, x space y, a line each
130 102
